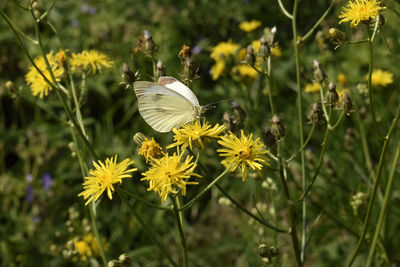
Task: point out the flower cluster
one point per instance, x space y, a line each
40 79
221 54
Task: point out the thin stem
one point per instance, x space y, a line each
205 190
374 191
311 31
370 67
293 231
151 234
93 216
304 145
143 200
385 206
284 11
301 134
268 86
179 220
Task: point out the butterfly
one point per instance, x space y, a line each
167 104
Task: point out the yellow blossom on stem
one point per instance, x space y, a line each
39 85
150 149
104 176
169 174
381 78
245 71
311 88
224 50
249 26
91 60
196 134
244 152
217 70
360 11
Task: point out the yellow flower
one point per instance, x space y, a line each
256 45
276 51
83 249
36 81
217 70
360 11
342 79
91 60
249 26
168 174
223 50
104 176
245 71
88 246
245 152
381 78
150 149
195 134
311 88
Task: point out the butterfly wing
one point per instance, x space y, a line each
180 88
164 112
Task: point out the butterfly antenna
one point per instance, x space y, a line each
212 105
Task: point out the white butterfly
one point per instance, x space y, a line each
167 104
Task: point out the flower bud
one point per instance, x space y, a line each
272 38
346 102
250 56
332 96
139 138
146 44
114 263
239 114
268 251
227 121
316 115
264 50
128 75
125 260
160 70
268 137
337 37
277 128
37 9
319 74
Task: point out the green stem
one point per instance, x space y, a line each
301 134
311 31
268 86
293 231
304 145
370 68
205 190
284 11
179 220
151 234
375 189
143 200
383 212
93 216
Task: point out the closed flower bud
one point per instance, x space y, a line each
227 121
272 38
319 74
147 45
37 9
268 137
337 37
250 56
160 70
114 263
277 128
11 89
346 102
189 70
129 76
139 138
125 260
268 251
264 50
238 113
332 96
316 115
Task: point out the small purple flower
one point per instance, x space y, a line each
88 9
29 194
29 177
47 181
74 22
196 50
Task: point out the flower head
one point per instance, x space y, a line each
39 85
249 26
312 88
150 149
224 50
195 133
217 70
381 78
169 174
87 246
360 11
245 71
244 152
91 60
104 176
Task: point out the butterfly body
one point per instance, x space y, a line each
167 104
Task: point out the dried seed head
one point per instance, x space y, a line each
316 116
239 114
332 95
250 56
347 104
160 70
268 137
264 50
129 76
337 37
277 128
